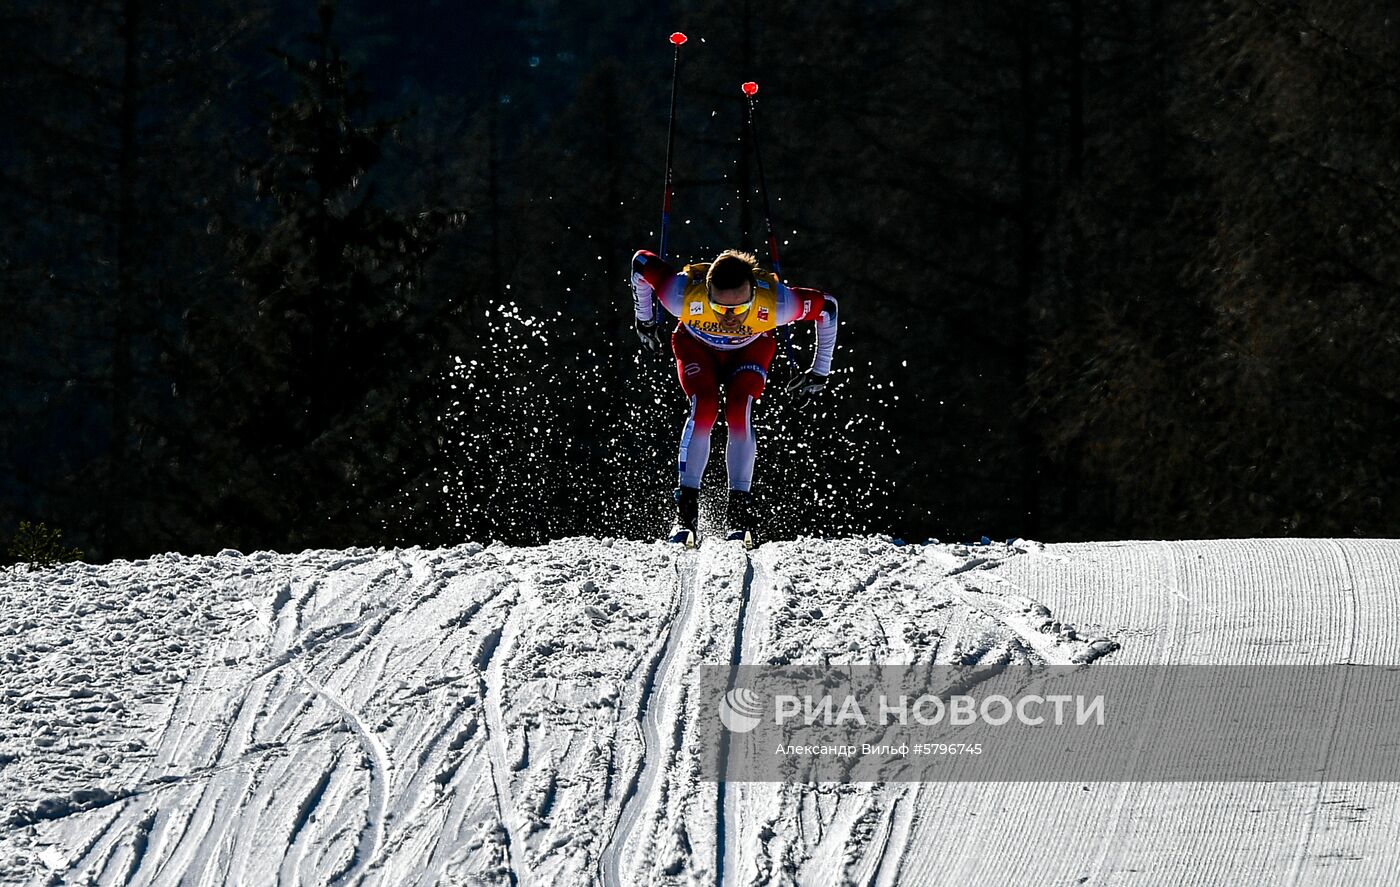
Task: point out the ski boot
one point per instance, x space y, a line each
686 531
739 518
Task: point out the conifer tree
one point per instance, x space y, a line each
308 382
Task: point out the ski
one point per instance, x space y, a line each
739 519
683 536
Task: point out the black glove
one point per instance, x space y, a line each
804 387
650 335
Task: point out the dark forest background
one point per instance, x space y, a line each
1130 265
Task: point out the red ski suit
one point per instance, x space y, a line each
728 351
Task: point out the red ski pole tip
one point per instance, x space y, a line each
678 38
749 88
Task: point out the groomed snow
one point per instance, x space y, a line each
519 715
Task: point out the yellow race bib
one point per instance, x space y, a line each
696 313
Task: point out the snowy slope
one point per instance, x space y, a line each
519 716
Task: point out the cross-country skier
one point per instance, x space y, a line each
728 310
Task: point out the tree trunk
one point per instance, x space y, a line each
1025 447
126 296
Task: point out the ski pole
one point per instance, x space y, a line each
751 90
677 39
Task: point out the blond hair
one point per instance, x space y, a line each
731 269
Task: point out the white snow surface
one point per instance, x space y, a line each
518 716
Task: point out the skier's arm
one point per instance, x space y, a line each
651 274
815 305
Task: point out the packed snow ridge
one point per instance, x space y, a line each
498 715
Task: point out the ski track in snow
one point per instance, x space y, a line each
731 793
641 788
522 716
378 760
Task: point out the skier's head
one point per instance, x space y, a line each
730 281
